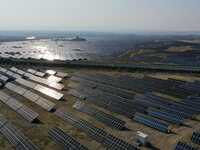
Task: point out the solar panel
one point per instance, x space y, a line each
16 76
4 97
27 113
40 74
24 111
114 143
46 104
35 72
49 92
14 104
77 94
184 146
107 88
32 71
31 96
14 136
3 121
178 105
67 141
53 78
3 78
94 132
112 103
15 88
51 72
151 122
10 73
101 116
55 85
26 83
28 75
196 137
149 102
13 75
50 83
14 69
62 74
42 102
3 70
44 90
20 72
167 116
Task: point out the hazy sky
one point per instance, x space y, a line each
100 15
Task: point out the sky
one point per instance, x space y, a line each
100 15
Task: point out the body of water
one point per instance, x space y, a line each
13 44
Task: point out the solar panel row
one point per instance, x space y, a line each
35 72
3 78
196 137
106 101
42 89
53 78
14 136
94 132
67 141
62 74
42 102
101 116
52 93
3 69
49 82
51 72
52 84
184 146
167 116
21 109
10 73
136 84
152 122
106 88
148 102
186 107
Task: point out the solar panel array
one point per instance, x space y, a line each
152 122
42 89
101 116
184 146
107 100
21 109
97 134
107 88
42 102
35 72
115 94
137 84
67 141
167 116
49 92
196 137
16 138
168 112
49 82
157 101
